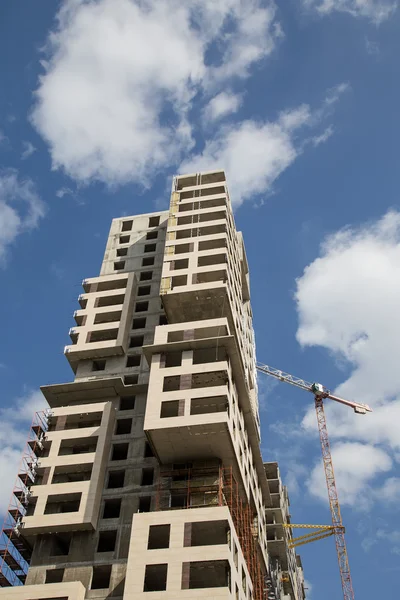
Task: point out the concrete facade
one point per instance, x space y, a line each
285 565
150 481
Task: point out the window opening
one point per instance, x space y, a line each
98 365
158 537
123 426
127 402
107 541
116 479
133 361
139 323
144 504
146 275
54 575
141 306
155 578
112 508
144 290
101 577
120 451
126 225
147 476
154 221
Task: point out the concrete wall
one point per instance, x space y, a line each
179 553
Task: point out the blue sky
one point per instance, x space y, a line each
103 101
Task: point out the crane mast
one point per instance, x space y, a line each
344 568
320 392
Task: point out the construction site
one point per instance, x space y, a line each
144 478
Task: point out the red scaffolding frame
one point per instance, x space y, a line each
245 521
15 550
215 485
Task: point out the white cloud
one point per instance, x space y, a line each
372 47
347 301
223 104
121 76
58 271
3 139
378 427
356 465
334 94
323 137
266 387
308 587
20 208
390 535
64 191
9 462
375 10
28 150
253 36
390 491
253 154
24 407
14 423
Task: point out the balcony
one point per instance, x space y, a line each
90 390
103 322
209 178
276 542
198 402
71 590
196 288
191 385
70 472
200 293
190 550
195 203
188 416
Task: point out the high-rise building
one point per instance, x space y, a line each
145 479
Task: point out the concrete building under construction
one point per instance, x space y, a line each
145 478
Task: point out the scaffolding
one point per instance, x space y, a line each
188 486
210 484
15 550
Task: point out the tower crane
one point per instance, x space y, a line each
320 393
